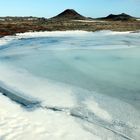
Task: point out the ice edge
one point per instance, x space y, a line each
17 97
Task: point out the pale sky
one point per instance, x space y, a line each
49 8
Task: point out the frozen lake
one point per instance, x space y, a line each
88 85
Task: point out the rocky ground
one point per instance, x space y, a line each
11 27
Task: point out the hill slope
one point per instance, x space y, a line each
121 17
68 15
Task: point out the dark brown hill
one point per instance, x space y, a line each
69 14
119 17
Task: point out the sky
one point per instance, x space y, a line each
50 8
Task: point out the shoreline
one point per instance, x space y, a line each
44 31
34 34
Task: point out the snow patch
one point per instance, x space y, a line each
95 108
17 123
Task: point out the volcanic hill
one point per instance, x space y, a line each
69 14
119 17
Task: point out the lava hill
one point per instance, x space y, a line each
119 17
69 14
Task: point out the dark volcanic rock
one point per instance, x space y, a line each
121 17
69 14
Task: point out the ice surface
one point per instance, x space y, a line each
87 84
16 123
